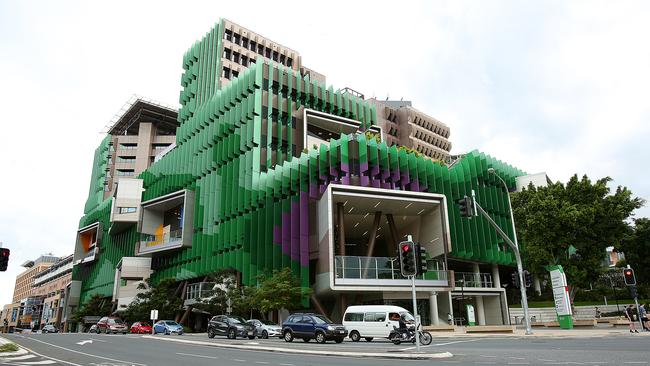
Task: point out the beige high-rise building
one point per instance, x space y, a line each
141 131
404 125
25 280
241 47
50 286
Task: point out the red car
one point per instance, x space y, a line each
141 328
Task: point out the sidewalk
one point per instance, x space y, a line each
547 332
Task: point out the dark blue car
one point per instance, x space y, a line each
312 326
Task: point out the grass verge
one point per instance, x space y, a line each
8 347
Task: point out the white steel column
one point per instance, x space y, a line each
433 308
496 279
480 309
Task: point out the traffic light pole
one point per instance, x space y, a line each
415 307
520 267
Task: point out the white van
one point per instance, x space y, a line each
371 321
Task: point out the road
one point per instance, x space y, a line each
112 350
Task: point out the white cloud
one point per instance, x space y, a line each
560 87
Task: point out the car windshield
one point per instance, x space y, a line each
268 322
321 319
115 321
170 322
144 324
237 320
407 316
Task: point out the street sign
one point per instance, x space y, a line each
154 315
561 297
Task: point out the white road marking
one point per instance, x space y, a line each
201 356
261 362
85 342
86 354
544 360
48 357
440 344
286 364
44 362
489 356
238 360
17 358
636 362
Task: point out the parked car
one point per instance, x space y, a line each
231 326
266 328
312 326
110 324
370 321
167 327
49 329
141 328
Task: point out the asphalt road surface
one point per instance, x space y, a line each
112 350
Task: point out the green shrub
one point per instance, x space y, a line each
8 347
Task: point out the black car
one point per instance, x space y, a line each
231 326
312 326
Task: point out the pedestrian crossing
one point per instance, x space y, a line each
22 357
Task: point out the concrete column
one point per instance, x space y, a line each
496 279
433 308
480 310
339 214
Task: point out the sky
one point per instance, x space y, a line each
560 87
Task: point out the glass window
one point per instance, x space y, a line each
253 46
353 317
170 322
321 319
244 42
124 210
376 317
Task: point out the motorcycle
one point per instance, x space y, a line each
396 336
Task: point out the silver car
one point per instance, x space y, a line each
266 328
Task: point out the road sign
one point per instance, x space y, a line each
154 315
561 297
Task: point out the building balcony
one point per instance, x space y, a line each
88 242
169 240
382 271
166 223
473 280
91 255
199 291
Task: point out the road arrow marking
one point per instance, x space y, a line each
84 342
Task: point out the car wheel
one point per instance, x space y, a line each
355 336
320 337
232 334
265 334
368 339
338 340
288 336
211 333
167 332
306 340
97 330
252 336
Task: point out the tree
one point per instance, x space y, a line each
160 297
97 305
281 290
571 225
214 301
636 248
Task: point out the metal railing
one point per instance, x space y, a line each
151 240
377 268
470 279
200 290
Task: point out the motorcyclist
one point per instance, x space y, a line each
403 327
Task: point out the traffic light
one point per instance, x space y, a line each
515 279
466 206
421 256
630 280
407 258
4 258
528 278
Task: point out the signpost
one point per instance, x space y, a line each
471 317
153 317
561 296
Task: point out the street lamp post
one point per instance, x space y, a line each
520 269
